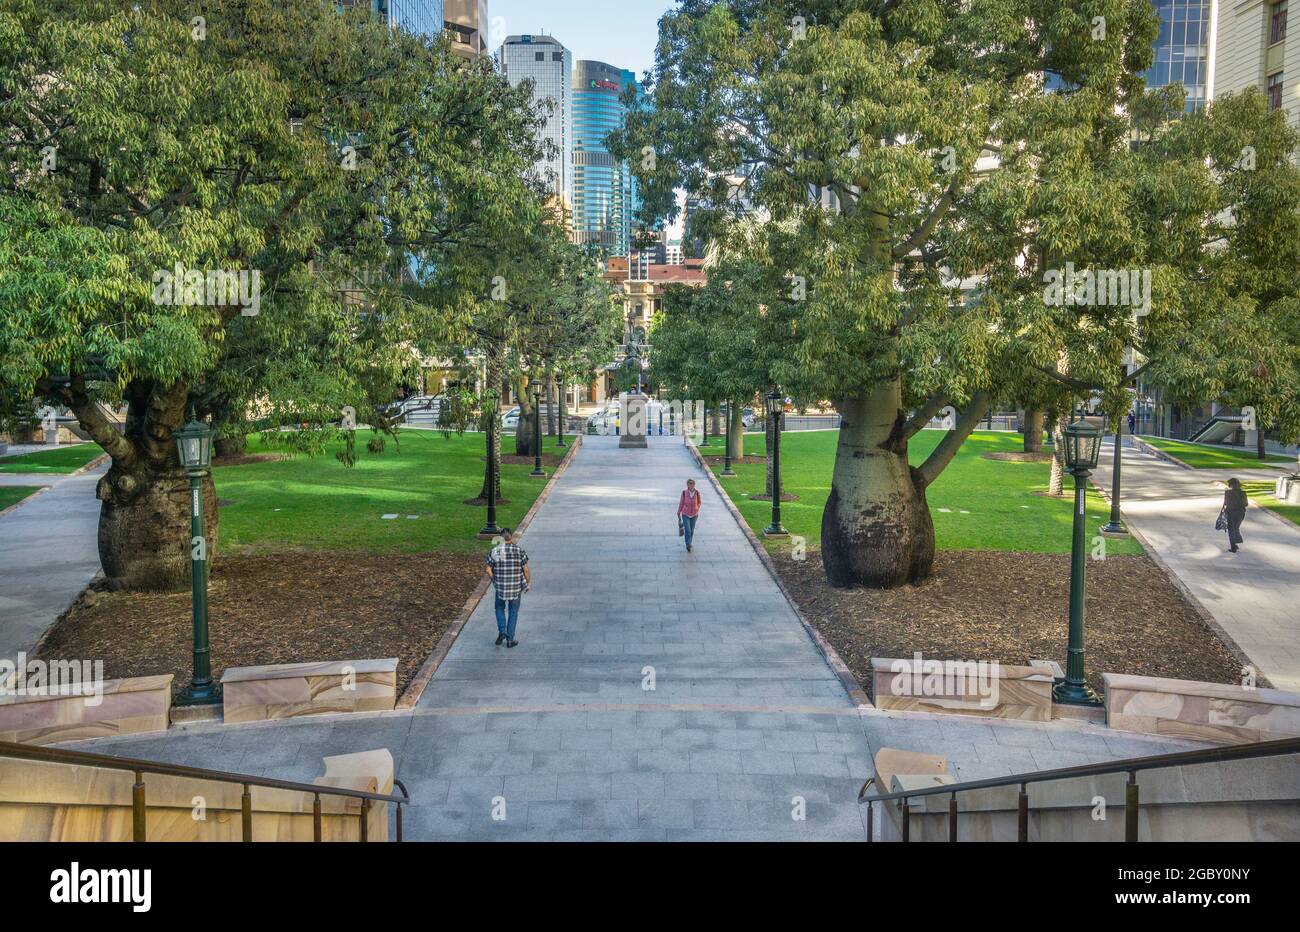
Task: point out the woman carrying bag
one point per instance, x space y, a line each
1233 513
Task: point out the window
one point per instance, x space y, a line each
539 56
557 56
1275 91
1277 22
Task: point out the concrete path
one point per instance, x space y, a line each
744 723
1252 594
48 554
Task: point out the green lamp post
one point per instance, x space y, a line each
537 432
727 471
1082 448
560 444
491 529
194 447
775 406
1115 526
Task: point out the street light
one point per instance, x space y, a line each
560 442
705 441
537 432
775 405
194 448
490 529
1116 525
727 471
1082 447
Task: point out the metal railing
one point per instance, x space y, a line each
1132 767
142 767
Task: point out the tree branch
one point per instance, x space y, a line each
949 445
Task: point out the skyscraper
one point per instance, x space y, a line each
1184 49
604 194
549 65
467 24
422 16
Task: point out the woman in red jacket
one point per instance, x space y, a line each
688 510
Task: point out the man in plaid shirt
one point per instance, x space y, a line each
507 565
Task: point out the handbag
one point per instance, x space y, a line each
681 526
1222 523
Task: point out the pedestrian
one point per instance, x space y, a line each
688 512
1132 422
507 567
1233 513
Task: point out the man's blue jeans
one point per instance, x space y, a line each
689 524
504 627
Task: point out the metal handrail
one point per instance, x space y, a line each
1131 766
142 767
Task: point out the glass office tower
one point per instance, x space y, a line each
604 195
1183 50
549 65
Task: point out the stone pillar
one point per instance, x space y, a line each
633 420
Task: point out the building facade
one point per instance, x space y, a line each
1253 50
1185 48
604 192
467 25
549 65
419 16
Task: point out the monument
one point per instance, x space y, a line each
634 426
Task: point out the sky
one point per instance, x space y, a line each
618 32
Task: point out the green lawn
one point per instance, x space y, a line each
1262 493
990 504
63 459
13 494
318 503
1200 456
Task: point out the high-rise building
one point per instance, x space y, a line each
1184 48
467 25
549 65
604 193
422 16
1253 50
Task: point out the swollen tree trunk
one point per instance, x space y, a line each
1055 483
525 438
736 436
1034 418
144 519
144 526
876 527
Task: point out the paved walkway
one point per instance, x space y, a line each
1252 594
745 718
48 554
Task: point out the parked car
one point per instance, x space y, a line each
510 420
747 417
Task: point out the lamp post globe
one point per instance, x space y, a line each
1082 448
194 451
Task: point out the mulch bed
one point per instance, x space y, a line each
1014 607
763 497
287 607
